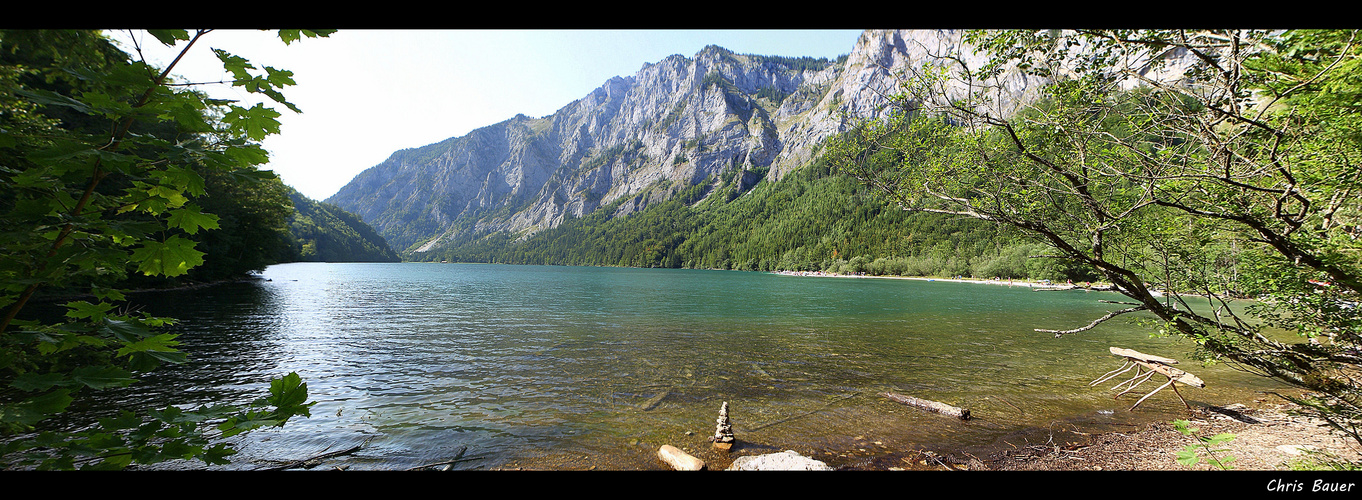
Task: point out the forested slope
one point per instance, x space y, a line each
813 219
322 232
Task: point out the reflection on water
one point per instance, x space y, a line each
566 367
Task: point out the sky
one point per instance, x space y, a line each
365 94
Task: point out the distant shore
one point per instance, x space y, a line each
1044 285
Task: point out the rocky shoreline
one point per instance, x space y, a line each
1269 436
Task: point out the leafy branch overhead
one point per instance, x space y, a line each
104 168
1186 167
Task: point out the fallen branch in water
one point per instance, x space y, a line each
313 461
802 415
1008 404
450 463
938 460
458 457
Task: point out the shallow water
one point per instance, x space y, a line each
571 367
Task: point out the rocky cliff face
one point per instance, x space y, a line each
638 139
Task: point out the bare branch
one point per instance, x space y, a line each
1113 314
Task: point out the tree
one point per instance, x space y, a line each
1185 167
101 159
322 232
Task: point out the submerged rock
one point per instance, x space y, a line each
785 460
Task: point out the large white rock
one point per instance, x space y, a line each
678 459
785 460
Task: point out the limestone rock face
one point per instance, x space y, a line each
639 139
785 460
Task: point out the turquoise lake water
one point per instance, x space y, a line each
573 368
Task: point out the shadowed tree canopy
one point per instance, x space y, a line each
322 232
109 167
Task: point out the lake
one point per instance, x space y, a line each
552 367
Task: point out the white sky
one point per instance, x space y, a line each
368 93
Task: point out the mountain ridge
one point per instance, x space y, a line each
677 123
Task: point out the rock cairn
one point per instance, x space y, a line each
723 430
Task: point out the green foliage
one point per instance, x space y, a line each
1317 461
627 153
811 220
288 398
772 94
1244 183
672 116
716 78
108 169
1192 454
804 63
170 433
253 209
323 232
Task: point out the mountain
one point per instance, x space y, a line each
640 140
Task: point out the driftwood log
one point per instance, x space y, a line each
929 405
1173 373
1133 354
1152 365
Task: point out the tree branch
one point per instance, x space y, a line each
1113 314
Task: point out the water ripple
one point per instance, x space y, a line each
527 362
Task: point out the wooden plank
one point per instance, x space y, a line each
1133 354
